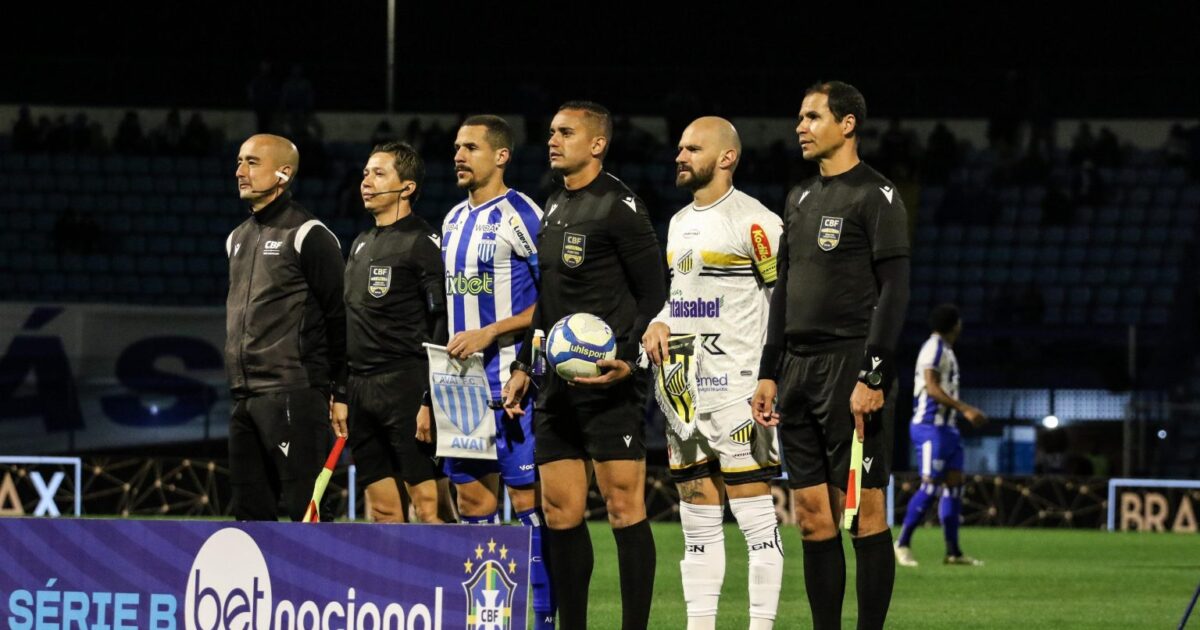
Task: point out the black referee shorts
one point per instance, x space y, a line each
383 426
816 424
277 447
572 422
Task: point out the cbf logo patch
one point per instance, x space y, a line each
379 281
830 233
490 589
685 262
573 249
743 434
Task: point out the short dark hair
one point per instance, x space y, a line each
408 163
499 132
595 110
844 99
943 318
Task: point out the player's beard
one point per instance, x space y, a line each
699 177
469 184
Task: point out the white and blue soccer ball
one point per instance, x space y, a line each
577 342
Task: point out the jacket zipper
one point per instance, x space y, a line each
246 307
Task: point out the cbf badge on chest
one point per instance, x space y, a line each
380 281
830 233
573 249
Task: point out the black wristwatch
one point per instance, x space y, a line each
516 366
872 379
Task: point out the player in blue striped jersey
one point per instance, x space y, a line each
935 435
489 245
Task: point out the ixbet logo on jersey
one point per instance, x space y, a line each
491 587
830 233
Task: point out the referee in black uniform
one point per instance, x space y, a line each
598 254
285 345
395 301
836 313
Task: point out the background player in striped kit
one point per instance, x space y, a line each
490 253
720 250
935 435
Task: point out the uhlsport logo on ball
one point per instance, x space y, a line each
577 342
229 585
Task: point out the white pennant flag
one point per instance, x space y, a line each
466 424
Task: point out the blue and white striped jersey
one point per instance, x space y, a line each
937 355
490 253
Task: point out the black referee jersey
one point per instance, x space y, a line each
598 254
835 230
395 299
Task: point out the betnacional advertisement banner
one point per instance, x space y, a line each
208 575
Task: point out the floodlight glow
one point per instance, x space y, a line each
1050 422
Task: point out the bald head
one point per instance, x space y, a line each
709 151
274 151
717 132
267 165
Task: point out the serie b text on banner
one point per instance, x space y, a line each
462 410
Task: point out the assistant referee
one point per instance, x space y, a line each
836 313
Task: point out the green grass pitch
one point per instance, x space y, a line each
1033 578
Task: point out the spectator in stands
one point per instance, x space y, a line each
129 137
1087 184
298 100
941 155
897 151
168 137
24 132
58 140
197 138
263 95
1107 153
1175 151
384 134
1083 145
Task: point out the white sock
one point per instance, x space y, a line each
703 564
756 517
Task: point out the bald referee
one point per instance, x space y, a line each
836 313
285 345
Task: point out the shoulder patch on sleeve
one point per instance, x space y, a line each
760 248
628 200
302 233
887 191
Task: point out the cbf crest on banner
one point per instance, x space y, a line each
466 425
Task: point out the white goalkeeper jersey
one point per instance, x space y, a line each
722 265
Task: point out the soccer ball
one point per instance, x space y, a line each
576 342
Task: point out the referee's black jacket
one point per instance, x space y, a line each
598 254
395 296
285 322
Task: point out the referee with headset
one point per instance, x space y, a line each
285 347
395 302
